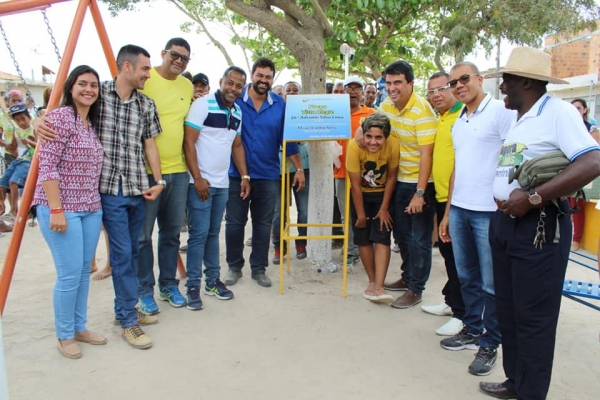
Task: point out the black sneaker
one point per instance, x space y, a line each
485 359
462 340
219 290
193 299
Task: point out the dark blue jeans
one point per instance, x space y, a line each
301 198
123 218
261 203
451 290
413 233
469 231
529 285
169 210
203 241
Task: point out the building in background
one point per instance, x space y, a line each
9 82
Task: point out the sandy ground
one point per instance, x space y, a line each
307 344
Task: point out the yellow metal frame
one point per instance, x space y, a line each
285 223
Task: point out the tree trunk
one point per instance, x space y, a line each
313 63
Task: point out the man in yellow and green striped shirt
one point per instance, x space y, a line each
414 125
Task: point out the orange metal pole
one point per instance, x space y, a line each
18 6
21 220
103 35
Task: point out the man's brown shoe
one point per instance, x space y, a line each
397 286
70 350
497 390
407 300
136 338
90 337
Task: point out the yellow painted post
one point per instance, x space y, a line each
347 225
288 199
282 204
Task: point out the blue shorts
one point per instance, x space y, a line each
16 173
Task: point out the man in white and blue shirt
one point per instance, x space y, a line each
213 130
529 271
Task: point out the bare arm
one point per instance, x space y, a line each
578 174
299 179
385 219
416 204
239 159
357 199
443 231
153 158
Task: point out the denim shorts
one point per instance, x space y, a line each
16 173
372 232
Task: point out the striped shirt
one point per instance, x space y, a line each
122 129
218 126
413 126
74 159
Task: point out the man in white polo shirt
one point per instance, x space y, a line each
213 130
529 276
477 135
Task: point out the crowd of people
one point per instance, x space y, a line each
152 147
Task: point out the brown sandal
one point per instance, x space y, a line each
90 337
71 350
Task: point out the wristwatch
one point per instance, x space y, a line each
300 170
420 193
534 198
162 182
247 177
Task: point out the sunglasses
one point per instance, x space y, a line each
463 79
441 89
175 55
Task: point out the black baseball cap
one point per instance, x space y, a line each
200 78
18 108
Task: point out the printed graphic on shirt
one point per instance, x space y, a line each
511 156
373 173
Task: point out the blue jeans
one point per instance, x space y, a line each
469 231
340 194
123 219
169 210
261 203
72 252
413 233
203 241
301 198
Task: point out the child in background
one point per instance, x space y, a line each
372 172
16 173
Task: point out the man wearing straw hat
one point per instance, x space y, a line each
529 235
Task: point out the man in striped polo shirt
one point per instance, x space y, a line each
414 125
213 130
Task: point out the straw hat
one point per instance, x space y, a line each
529 63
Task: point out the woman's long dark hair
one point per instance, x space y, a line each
67 99
584 104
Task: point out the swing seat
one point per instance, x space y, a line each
575 289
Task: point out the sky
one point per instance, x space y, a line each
150 26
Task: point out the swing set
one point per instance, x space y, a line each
19 6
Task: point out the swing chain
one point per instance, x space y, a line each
14 59
51 33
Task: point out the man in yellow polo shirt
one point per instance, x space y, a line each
441 98
172 94
414 125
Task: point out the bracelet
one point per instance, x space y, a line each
56 210
300 170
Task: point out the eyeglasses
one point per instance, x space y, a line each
441 89
349 89
463 79
175 55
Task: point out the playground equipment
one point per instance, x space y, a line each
17 6
573 289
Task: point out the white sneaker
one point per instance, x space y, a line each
441 309
450 328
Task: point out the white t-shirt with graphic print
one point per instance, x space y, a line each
550 125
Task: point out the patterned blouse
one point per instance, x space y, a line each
74 158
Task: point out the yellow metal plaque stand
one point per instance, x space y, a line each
285 224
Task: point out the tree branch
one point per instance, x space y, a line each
291 9
198 20
327 29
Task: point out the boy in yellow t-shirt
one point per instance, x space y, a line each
372 172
